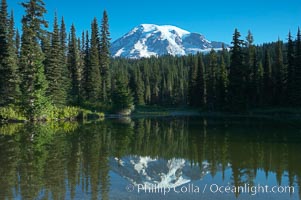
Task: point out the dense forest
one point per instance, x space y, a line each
46 74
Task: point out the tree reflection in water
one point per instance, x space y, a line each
73 161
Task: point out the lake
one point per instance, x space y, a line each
152 158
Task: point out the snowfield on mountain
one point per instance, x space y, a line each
148 40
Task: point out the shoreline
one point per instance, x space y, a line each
271 113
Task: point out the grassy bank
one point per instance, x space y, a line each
15 114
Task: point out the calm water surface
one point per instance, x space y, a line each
152 158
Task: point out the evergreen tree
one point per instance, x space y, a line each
226 56
222 85
193 75
297 81
260 85
290 70
256 82
3 30
81 53
63 38
237 75
66 80
18 43
201 88
139 87
267 79
92 83
121 97
55 69
105 57
86 64
33 81
147 95
251 69
10 91
3 48
279 76
211 80
73 64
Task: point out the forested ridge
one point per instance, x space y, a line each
50 74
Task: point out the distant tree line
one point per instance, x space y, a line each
41 69
243 77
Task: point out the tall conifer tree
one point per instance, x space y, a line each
201 87
3 48
92 83
55 70
63 38
279 76
139 87
63 59
3 30
10 80
237 75
251 68
121 97
267 79
211 80
298 69
192 86
105 57
33 81
222 85
74 68
18 43
290 70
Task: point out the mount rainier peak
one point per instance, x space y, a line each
148 40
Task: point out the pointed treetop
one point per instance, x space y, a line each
250 38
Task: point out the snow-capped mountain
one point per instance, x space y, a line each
148 40
160 172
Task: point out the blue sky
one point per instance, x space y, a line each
216 19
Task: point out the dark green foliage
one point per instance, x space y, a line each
9 74
267 79
222 85
237 76
63 62
201 85
251 71
290 70
258 76
105 57
33 81
73 64
297 82
92 78
121 97
279 76
259 86
3 30
137 84
55 71
193 75
211 80
18 43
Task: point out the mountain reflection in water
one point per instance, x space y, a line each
98 160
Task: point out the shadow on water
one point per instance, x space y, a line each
82 161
